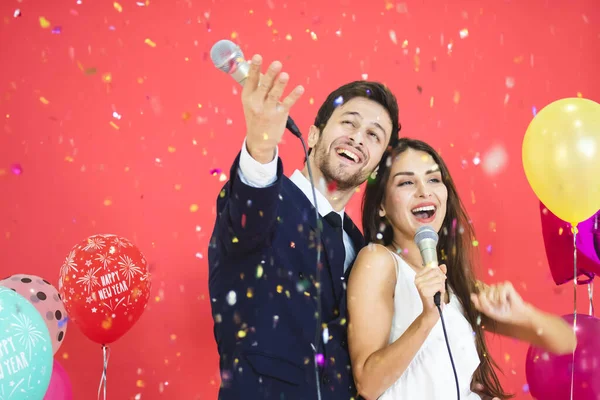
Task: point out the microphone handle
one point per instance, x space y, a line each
291 126
437 299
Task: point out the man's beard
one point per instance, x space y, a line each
332 173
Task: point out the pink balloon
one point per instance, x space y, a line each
549 375
46 300
60 384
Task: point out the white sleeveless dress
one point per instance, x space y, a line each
429 376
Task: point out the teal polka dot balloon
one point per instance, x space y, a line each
25 349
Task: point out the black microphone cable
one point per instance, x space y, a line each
437 301
291 126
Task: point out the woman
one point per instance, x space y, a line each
396 340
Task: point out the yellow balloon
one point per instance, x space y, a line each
561 158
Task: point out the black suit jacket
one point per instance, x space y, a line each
262 274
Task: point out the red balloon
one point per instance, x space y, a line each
105 284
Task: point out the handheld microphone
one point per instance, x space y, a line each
228 57
427 239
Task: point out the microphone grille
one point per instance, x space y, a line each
426 232
224 55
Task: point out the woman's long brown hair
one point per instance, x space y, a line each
454 249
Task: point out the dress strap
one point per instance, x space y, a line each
395 258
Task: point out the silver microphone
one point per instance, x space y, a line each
228 57
427 239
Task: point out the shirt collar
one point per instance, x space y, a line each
304 185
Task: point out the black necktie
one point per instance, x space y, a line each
335 221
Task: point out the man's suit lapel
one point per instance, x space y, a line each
334 253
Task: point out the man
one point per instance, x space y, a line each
262 255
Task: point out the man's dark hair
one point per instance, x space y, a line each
375 91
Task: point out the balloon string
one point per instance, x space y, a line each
591 297
574 230
106 355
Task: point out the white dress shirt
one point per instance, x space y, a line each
258 175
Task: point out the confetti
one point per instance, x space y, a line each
117 7
231 298
16 169
464 33
495 160
456 97
194 208
17 13
393 37
56 30
319 359
150 42
44 23
510 82
44 101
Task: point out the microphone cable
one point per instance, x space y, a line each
437 301
293 128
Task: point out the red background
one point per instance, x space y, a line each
150 179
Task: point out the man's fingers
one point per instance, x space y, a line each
253 75
277 90
293 97
267 80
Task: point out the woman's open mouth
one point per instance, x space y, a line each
424 214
